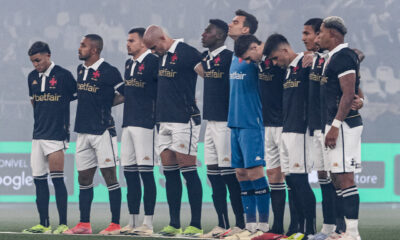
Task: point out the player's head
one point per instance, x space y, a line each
278 50
242 24
215 33
248 47
156 40
332 32
310 32
91 45
40 53
134 43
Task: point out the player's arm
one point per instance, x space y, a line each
347 84
199 69
70 86
118 99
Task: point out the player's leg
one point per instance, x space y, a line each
173 182
218 187
39 167
184 143
275 176
107 155
144 140
131 173
56 166
252 145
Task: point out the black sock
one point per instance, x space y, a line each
61 195
85 202
219 197
229 177
278 199
42 199
195 192
308 201
296 215
351 202
114 194
149 188
173 187
134 189
328 196
339 211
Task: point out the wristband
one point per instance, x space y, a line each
336 123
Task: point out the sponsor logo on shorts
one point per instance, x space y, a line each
226 159
258 158
182 145
296 165
146 158
108 160
336 164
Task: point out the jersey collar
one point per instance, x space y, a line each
48 71
337 49
95 65
217 51
141 57
296 60
174 45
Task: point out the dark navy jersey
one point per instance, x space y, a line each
295 88
271 88
140 91
245 110
96 89
216 84
51 100
177 84
342 61
314 98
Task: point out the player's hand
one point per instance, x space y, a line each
360 54
307 60
331 137
357 103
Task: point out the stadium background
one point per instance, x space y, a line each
372 27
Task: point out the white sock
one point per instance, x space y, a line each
352 227
133 220
263 227
328 228
252 227
148 220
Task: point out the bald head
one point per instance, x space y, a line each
157 40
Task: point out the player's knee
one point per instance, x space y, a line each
275 175
109 175
241 174
85 178
322 175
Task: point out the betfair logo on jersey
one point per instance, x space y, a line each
166 73
323 80
238 76
87 87
47 97
134 83
265 77
315 77
213 74
291 84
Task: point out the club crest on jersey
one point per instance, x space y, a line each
53 82
34 82
295 69
96 75
217 60
174 58
267 63
141 68
321 61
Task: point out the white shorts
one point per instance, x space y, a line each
40 150
179 137
295 153
273 138
96 150
217 144
138 146
317 151
346 156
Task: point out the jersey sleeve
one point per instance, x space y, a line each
115 79
193 57
343 65
30 86
121 89
70 86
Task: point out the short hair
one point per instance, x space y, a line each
315 23
273 42
336 23
221 25
97 40
243 43
39 47
250 21
140 31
